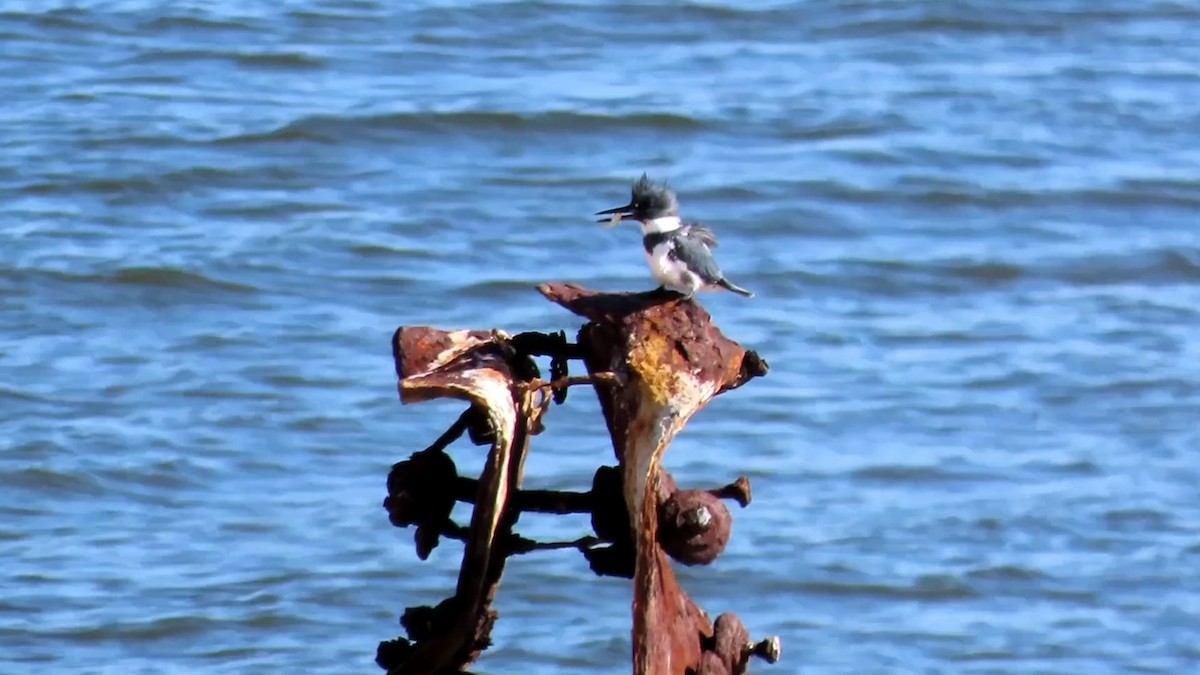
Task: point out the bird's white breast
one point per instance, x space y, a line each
671 273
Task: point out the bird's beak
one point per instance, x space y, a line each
615 214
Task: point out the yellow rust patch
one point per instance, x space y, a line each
649 357
672 361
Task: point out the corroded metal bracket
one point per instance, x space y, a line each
669 360
472 366
654 360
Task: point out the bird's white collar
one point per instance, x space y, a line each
661 225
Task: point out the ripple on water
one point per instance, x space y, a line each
345 128
22 396
1169 265
278 60
172 475
908 20
1077 467
915 277
1139 520
231 653
1006 573
276 209
44 480
197 23
139 631
917 473
923 191
140 277
985 271
170 277
950 243
846 128
134 183
927 588
385 251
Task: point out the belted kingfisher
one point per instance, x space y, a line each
678 252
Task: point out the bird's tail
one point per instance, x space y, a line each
729 285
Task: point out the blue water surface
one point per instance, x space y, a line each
971 228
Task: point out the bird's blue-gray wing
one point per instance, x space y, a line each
698 231
693 252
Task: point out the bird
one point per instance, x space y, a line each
679 252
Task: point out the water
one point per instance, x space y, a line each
970 225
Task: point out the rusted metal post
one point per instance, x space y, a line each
669 360
654 360
475 367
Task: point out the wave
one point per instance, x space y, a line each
984 271
227 393
1137 519
194 23
147 631
170 277
910 474
384 251
140 276
172 474
935 587
171 181
1168 265
23 396
62 17
285 60
867 20
48 480
496 287
1005 573
839 129
909 24
984 655
332 128
1127 194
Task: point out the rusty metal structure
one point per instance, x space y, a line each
654 360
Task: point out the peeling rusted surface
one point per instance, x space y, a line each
654 360
694 526
730 641
669 360
421 349
471 366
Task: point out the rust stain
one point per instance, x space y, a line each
667 361
673 360
467 365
